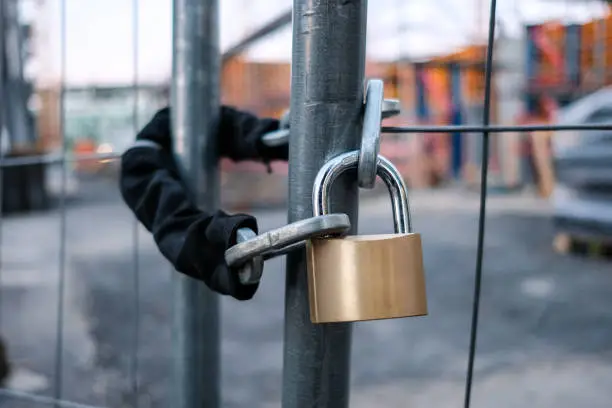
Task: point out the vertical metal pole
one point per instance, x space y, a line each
195 107
3 147
326 102
2 73
18 121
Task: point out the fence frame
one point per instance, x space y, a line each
327 90
195 110
326 99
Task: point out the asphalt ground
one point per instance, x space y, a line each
545 334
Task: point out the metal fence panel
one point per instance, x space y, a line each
194 112
317 359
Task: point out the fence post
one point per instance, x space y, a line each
326 102
2 74
195 107
17 117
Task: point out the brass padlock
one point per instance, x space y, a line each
365 277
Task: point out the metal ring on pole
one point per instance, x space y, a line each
279 241
370 135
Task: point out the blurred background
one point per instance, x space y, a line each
73 261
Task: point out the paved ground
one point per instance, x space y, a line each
545 333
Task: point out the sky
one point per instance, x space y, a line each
101 36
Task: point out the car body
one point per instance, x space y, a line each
583 167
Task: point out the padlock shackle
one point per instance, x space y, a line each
384 169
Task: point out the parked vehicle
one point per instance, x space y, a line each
583 167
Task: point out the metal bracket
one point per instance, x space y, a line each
370 134
390 108
284 239
276 138
250 272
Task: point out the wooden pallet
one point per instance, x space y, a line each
565 243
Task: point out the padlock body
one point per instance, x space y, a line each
366 277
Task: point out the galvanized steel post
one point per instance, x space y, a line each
326 104
195 107
2 75
17 117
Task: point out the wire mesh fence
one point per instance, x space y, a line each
84 306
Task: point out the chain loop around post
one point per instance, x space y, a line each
370 136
